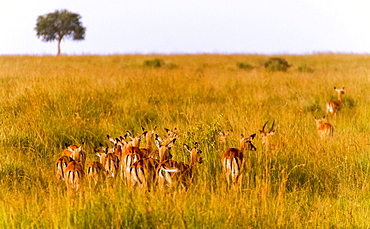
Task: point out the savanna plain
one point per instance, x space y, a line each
302 181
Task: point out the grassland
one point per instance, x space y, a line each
304 182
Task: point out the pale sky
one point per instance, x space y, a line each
193 26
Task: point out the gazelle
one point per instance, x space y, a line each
324 129
335 105
129 157
233 160
119 145
61 166
222 139
266 135
171 136
110 162
171 172
148 136
96 173
171 133
74 176
135 140
142 173
76 153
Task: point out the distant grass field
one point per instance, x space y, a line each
304 182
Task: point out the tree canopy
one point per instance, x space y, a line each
58 25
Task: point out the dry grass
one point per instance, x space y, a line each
303 182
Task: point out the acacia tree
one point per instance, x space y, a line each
58 25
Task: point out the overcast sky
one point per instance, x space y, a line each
193 26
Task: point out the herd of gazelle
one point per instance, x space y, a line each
325 129
233 159
138 167
144 167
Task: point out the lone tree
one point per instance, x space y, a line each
58 25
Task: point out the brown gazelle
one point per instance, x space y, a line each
148 137
164 148
110 162
96 173
266 135
76 153
131 154
233 160
222 139
74 176
119 145
142 173
171 172
324 129
61 166
135 140
171 135
333 106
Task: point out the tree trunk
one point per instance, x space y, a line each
59 41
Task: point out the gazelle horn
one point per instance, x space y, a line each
272 127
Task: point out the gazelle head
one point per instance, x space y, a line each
246 143
118 143
73 148
267 134
324 129
194 154
340 91
135 140
164 148
171 134
150 132
319 121
222 137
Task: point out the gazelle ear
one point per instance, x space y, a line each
242 135
129 135
187 147
111 139
252 136
122 140
143 129
158 138
157 143
143 134
171 143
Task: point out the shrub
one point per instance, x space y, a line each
244 66
305 68
276 64
171 66
155 63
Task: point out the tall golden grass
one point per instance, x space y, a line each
302 182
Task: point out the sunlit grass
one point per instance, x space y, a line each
303 182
